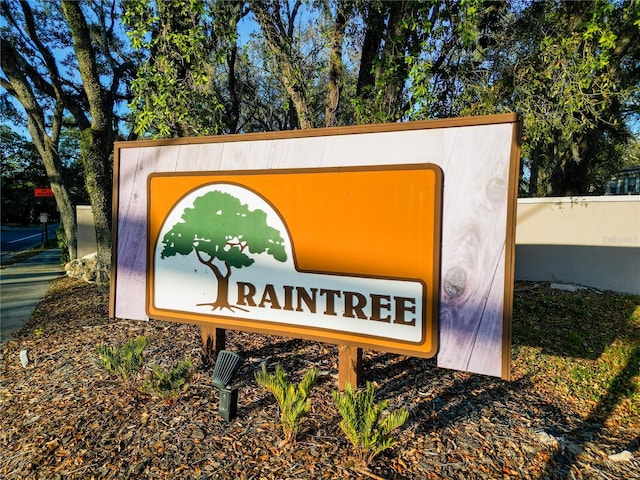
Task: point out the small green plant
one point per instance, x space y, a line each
292 398
125 361
169 382
364 423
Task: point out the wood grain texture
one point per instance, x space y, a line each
349 366
476 164
474 224
214 340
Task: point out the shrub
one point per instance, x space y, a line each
364 423
169 382
292 398
125 361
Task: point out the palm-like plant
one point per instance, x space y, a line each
292 398
125 361
168 382
364 422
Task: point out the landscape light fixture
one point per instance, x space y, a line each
227 365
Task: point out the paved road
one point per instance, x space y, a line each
22 286
16 239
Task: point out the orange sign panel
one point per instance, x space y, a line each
343 255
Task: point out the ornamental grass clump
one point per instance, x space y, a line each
365 423
292 398
168 382
125 361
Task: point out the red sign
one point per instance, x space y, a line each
43 192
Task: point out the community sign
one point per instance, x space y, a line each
397 237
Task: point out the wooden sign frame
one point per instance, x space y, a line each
480 160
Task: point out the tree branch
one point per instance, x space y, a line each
214 268
281 43
87 64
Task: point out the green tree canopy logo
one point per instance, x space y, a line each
223 232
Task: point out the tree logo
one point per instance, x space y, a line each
224 234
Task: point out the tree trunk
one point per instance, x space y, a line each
281 43
98 177
534 172
233 111
47 145
370 48
222 296
383 66
570 175
394 69
97 141
53 166
336 75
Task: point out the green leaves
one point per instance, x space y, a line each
125 361
470 18
223 232
292 398
220 227
168 382
367 425
171 95
364 422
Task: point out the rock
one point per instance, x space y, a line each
84 268
24 358
547 439
567 287
624 456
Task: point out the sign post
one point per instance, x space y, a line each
213 342
349 366
44 218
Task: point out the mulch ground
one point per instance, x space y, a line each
64 417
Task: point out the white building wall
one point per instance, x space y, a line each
591 241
